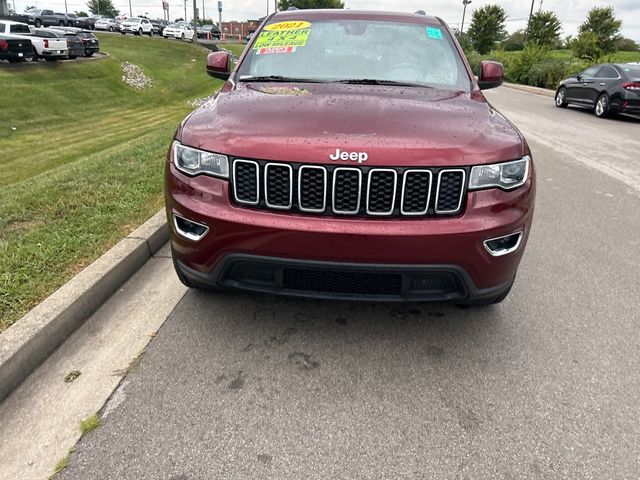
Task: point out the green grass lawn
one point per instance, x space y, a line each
236 48
82 158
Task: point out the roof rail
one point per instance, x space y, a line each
419 12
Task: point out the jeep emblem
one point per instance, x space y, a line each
359 157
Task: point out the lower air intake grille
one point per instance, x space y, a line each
331 281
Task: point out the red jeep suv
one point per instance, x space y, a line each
351 155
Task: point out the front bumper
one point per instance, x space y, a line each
437 259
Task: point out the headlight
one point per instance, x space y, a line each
193 161
506 175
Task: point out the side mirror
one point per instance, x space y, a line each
578 77
491 75
219 65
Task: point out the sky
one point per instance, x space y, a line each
571 12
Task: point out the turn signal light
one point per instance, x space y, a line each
46 43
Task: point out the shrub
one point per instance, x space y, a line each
517 67
547 74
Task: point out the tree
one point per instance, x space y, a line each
602 22
626 45
29 7
544 28
81 13
487 27
308 4
102 7
515 41
585 46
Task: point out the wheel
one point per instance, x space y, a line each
31 57
140 31
61 23
151 33
602 106
182 36
38 23
561 101
124 33
111 29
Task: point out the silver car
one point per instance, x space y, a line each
109 24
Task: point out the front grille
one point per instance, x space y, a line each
342 191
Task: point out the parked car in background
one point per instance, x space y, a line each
74 43
15 49
608 89
249 37
181 30
74 20
46 18
106 23
158 26
50 49
205 31
89 40
137 26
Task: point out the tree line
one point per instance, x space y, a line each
598 35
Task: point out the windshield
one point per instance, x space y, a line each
351 50
132 20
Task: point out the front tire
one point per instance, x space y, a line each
140 32
601 109
182 37
561 98
150 33
38 23
111 29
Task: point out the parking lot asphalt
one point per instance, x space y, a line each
543 386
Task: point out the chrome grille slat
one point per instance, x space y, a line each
447 198
278 186
354 191
346 195
382 194
308 189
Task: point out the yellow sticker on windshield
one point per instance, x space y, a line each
285 41
295 25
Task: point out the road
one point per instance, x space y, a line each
543 386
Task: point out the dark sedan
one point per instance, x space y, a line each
607 89
209 32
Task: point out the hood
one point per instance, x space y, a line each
394 126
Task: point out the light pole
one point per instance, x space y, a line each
464 12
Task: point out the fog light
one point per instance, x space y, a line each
189 229
503 245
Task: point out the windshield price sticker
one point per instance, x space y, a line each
296 25
433 32
282 40
271 50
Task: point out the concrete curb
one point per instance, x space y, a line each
526 88
31 340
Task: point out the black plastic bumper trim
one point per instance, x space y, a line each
466 293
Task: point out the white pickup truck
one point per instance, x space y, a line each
48 48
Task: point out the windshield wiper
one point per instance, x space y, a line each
372 81
276 78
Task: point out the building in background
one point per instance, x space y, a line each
239 30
